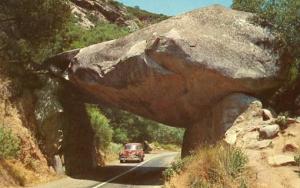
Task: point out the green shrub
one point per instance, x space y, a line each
78 37
120 136
281 121
234 161
9 143
100 124
175 168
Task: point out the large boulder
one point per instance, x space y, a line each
175 71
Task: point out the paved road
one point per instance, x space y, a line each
116 175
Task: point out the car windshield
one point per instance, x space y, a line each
133 147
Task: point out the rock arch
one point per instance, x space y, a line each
198 70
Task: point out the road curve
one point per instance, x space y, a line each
116 175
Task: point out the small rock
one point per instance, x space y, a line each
266 114
290 147
259 144
281 160
269 131
231 138
291 121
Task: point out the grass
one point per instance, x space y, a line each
9 143
79 37
212 166
297 160
18 172
112 153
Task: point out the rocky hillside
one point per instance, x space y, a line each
22 160
91 12
270 143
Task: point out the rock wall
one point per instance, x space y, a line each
17 106
215 122
78 149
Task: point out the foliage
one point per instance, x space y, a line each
165 146
30 27
211 166
78 37
120 136
112 153
282 17
9 143
234 161
282 121
165 134
134 128
100 124
175 168
44 17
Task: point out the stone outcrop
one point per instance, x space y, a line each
89 13
272 158
196 71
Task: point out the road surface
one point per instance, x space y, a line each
125 175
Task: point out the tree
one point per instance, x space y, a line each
29 28
36 20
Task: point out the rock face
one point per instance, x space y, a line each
272 158
269 131
91 12
180 71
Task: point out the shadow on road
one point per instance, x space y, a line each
143 175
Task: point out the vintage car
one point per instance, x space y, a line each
132 152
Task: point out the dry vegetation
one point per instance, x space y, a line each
213 166
21 161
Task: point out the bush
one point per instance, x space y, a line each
212 166
234 161
9 143
175 168
100 124
120 136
